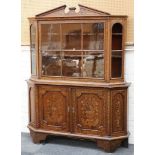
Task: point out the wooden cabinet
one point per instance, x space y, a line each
77 86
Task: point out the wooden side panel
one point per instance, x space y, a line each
90 111
32 105
53 103
119 112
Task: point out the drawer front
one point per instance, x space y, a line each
90 111
53 106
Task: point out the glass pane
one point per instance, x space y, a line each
93 35
50 37
116 56
33 48
116 64
71 36
71 63
51 63
93 64
117 28
33 63
116 42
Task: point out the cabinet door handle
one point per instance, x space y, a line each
73 110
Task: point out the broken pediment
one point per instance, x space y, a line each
64 11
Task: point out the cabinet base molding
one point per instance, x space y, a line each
108 144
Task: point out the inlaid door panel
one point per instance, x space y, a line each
54 108
119 110
90 111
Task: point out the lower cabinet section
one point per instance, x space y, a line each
83 112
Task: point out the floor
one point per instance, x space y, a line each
64 146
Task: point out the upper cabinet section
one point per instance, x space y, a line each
78 44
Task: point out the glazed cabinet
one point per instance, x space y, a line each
77 86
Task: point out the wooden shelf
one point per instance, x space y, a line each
117 50
116 33
73 50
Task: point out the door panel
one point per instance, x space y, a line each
89 111
54 108
119 110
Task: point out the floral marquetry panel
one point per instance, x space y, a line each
54 113
90 111
118 111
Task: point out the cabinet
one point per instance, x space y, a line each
77 86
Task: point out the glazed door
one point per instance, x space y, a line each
53 107
90 111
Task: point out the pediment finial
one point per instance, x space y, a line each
74 9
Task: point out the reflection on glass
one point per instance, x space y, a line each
93 65
93 35
32 48
50 37
51 63
33 62
71 64
71 36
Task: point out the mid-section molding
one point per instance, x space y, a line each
80 83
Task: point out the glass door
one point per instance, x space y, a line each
72 50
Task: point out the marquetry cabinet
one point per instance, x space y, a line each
77 86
